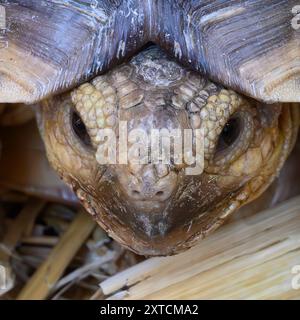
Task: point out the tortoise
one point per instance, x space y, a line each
225 70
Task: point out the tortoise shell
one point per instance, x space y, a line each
50 46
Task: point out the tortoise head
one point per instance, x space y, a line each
159 155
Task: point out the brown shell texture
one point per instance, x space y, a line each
250 46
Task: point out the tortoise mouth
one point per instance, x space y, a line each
158 233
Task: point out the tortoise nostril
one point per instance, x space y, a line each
146 186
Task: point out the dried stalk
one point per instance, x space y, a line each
22 224
249 259
45 278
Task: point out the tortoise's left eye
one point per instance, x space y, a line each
79 129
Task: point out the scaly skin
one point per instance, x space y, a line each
158 209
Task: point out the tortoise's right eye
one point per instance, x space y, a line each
230 134
235 137
79 129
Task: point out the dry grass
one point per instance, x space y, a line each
54 251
